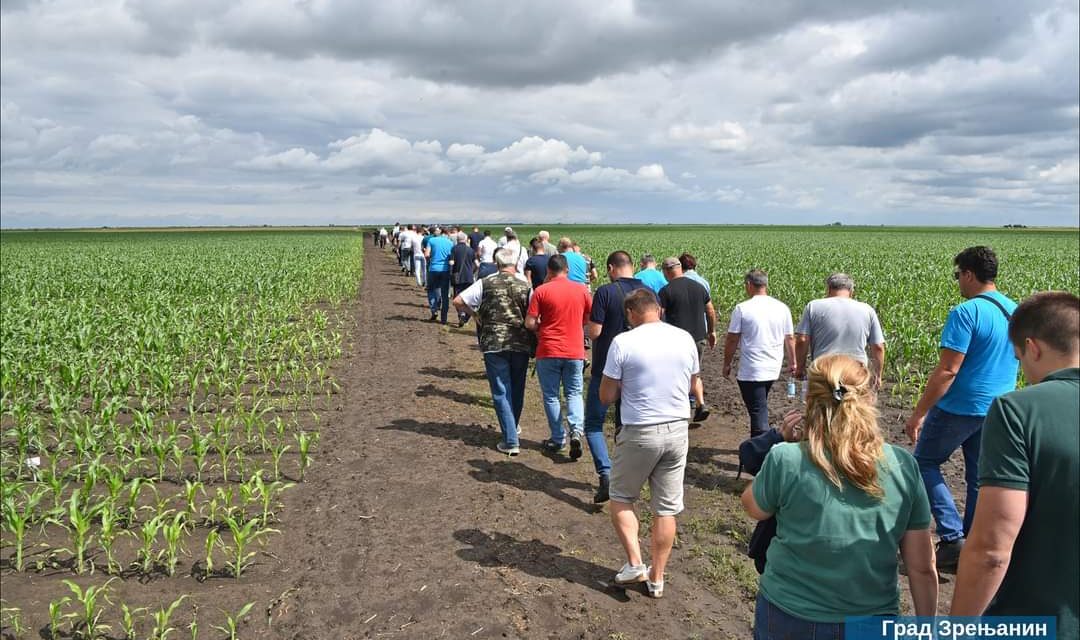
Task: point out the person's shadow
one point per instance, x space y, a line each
536 558
515 474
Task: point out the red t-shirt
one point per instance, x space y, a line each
563 309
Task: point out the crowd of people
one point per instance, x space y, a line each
840 510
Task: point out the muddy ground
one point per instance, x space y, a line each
411 525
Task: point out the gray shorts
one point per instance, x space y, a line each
657 454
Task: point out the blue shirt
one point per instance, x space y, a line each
440 253
978 329
652 278
577 269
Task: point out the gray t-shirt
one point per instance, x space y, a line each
840 325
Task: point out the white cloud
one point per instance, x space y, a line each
527 155
722 136
647 178
1064 172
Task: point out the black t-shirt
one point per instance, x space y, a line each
474 239
537 268
684 303
607 310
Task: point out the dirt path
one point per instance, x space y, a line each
412 525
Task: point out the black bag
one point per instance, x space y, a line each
752 454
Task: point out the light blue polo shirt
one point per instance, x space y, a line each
441 246
652 278
978 329
576 267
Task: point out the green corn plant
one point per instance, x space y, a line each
178 454
80 516
193 626
276 452
224 497
88 608
173 533
232 621
224 452
57 617
200 447
147 536
243 536
267 494
134 491
12 616
129 620
162 616
304 442
212 539
18 514
192 489
107 534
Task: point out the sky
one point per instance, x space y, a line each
202 112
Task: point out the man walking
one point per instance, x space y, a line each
762 331
438 280
650 370
689 265
838 323
485 255
558 312
578 268
976 364
405 244
500 303
1026 532
649 274
474 239
536 265
419 255
462 266
383 234
687 305
606 320
549 249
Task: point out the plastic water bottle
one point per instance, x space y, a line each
791 388
804 385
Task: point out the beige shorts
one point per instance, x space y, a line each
655 454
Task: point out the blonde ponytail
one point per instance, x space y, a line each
842 435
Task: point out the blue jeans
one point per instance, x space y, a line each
438 293
506 371
566 372
942 432
595 412
419 267
773 623
755 396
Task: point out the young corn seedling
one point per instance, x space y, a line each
173 533
232 621
147 536
80 516
212 540
200 447
89 608
162 630
191 492
243 536
304 442
129 620
17 517
134 491
57 617
107 534
276 452
12 616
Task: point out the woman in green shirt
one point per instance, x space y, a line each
844 503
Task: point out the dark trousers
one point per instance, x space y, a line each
755 395
458 288
438 293
406 260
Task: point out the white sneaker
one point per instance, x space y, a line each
656 589
630 574
507 449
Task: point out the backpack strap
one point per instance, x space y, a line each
982 296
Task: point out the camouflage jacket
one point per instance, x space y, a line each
501 314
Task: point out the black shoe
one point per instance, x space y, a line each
948 554
552 446
701 414
601 496
433 317
575 447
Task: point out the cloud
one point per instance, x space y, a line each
647 178
722 136
529 154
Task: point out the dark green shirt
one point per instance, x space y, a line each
1031 442
834 554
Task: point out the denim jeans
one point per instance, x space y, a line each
438 293
595 412
554 372
406 260
419 267
506 371
942 432
755 395
773 623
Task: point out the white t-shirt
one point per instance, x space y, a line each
655 362
486 249
763 323
383 233
405 239
474 294
418 245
